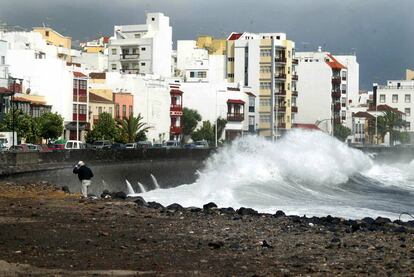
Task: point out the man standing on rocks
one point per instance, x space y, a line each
85 175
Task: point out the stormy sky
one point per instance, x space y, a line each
379 31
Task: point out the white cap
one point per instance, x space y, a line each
80 163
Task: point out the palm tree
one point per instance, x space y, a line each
390 122
132 128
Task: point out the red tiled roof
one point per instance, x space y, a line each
96 98
235 101
334 64
235 36
5 90
363 114
306 126
79 74
105 39
97 75
383 108
250 94
176 91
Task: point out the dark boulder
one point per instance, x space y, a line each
194 209
175 206
119 195
105 194
279 214
155 205
247 211
65 189
209 206
140 201
368 220
400 229
382 220
228 210
216 244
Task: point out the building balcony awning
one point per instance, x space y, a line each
176 92
71 126
235 101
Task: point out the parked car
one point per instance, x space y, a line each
118 145
44 148
144 144
190 146
131 145
172 144
157 145
58 147
74 144
201 144
19 148
101 144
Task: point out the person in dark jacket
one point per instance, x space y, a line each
85 175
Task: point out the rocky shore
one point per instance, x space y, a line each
45 231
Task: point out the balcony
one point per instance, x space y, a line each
280 76
129 57
176 108
280 109
80 99
295 61
280 60
336 94
280 92
130 71
294 109
294 93
235 117
343 78
295 77
281 125
82 117
337 107
176 129
336 80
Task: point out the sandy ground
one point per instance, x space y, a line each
46 232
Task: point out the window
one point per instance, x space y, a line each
408 98
110 110
99 110
251 119
230 59
3 60
137 35
130 110
113 51
230 75
82 84
407 125
117 110
407 112
153 19
265 119
142 64
395 98
264 102
202 74
265 52
265 85
265 69
47 33
75 83
382 98
113 66
82 109
124 111
192 74
75 108
143 49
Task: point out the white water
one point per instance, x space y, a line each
303 173
129 187
154 180
141 187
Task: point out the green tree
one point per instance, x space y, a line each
133 129
104 129
390 122
189 122
341 132
51 125
208 131
25 126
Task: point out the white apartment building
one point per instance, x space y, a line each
398 94
4 69
94 62
142 49
264 65
327 88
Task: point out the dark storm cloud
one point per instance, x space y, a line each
379 31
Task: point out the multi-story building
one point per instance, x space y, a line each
4 69
95 46
398 94
124 105
142 49
63 43
213 45
97 106
77 127
264 65
327 88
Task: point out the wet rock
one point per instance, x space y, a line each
228 210
118 195
65 189
175 206
265 244
295 218
140 201
246 211
400 229
209 206
215 244
382 220
155 205
368 220
194 209
279 214
105 194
